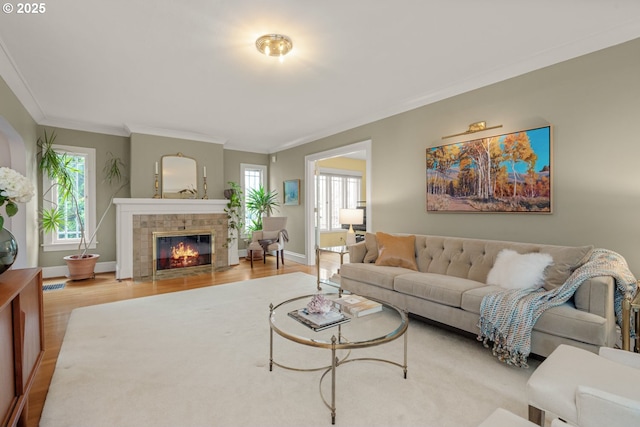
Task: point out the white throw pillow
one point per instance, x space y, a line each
518 271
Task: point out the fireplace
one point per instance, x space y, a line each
137 220
182 251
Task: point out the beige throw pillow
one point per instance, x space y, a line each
371 244
565 261
396 251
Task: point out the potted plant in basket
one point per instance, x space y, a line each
59 169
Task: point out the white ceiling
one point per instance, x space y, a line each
190 69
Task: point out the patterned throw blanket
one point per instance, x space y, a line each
507 317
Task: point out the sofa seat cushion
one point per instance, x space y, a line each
567 322
372 274
563 321
438 288
472 298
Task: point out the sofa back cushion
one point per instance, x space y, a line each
474 258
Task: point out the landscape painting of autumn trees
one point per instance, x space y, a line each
504 173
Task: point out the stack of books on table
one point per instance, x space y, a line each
357 306
319 321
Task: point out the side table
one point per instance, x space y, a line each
341 250
631 309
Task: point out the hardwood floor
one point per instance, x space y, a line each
58 305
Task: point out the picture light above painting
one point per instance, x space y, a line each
504 173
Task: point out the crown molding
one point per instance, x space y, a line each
83 126
173 133
18 84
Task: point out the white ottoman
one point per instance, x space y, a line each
503 418
553 385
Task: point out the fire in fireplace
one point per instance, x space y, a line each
182 249
182 256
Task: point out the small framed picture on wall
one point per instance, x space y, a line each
291 192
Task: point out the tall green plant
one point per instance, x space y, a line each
259 203
58 168
56 165
235 217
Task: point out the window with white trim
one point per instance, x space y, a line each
83 161
252 177
336 190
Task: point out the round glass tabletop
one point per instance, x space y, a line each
356 332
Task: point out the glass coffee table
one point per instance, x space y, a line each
366 331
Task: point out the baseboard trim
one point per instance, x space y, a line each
291 256
63 271
295 257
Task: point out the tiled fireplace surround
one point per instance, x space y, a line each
145 225
137 219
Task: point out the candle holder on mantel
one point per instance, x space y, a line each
205 197
156 195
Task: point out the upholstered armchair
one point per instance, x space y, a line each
271 238
586 389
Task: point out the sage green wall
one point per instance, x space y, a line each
103 144
12 110
290 165
592 103
148 149
233 159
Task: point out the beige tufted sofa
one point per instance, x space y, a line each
450 284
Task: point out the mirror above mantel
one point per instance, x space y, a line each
179 177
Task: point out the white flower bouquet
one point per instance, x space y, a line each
14 188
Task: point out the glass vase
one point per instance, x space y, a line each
8 250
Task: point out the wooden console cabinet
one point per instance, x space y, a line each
21 341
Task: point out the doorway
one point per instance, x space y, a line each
361 150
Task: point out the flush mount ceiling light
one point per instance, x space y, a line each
274 45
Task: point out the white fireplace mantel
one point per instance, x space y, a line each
127 208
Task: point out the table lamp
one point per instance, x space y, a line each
350 217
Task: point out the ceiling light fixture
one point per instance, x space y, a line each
274 45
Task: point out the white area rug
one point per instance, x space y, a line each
200 358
